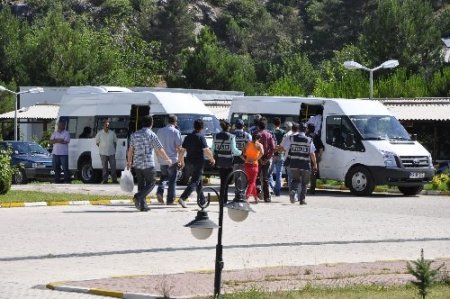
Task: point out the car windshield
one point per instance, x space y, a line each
186 123
379 127
23 148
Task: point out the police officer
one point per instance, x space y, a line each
300 150
224 148
242 138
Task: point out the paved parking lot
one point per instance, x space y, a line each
46 244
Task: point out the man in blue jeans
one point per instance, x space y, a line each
277 159
171 141
60 140
196 148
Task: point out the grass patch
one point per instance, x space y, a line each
35 196
439 291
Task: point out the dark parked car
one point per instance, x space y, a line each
443 167
34 162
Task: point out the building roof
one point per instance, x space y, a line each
433 109
34 112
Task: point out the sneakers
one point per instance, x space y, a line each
303 202
292 196
160 198
182 203
145 209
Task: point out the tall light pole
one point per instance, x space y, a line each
16 95
238 210
352 65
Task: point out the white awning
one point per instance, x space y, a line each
34 112
433 109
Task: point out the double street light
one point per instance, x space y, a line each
238 210
352 65
16 94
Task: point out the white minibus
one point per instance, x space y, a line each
84 108
365 145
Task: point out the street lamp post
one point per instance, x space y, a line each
389 64
238 210
16 95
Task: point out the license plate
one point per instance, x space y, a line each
416 175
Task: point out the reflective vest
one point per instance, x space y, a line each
222 152
299 152
242 138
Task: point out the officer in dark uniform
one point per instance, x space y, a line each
242 138
300 150
224 148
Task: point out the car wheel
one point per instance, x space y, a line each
20 177
360 181
409 191
87 174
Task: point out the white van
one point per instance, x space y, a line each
84 108
365 145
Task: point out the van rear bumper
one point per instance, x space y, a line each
401 176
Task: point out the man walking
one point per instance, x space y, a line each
60 140
223 149
319 151
277 160
195 147
301 154
106 141
268 144
171 141
140 155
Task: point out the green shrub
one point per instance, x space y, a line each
7 170
441 182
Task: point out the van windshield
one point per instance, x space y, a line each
186 123
379 127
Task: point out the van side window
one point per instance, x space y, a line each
342 134
118 124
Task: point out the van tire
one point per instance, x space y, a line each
410 191
360 181
20 177
87 174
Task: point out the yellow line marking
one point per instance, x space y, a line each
106 293
13 205
54 285
100 202
58 203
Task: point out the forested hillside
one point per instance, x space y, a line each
276 47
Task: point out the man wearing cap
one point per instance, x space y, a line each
242 138
223 149
301 155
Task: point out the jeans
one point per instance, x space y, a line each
169 174
300 178
264 177
275 168
195 173
58 162
240 184
223 174
146 182
112 163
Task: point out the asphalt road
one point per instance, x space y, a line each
46 244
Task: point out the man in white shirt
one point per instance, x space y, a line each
60 140
106 141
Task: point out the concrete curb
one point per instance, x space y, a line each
382 190
100 202
60 286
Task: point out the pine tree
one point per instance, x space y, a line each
424 274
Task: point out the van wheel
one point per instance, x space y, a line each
20 177
87 174
360 181
409 191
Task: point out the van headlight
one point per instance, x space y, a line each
389 159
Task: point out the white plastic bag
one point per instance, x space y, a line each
126 181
